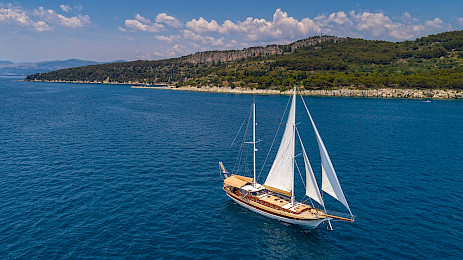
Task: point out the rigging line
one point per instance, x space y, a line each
239 159
237 164
308 199
241 150
274 138
243 155
300 140
244 120
302 146
297 166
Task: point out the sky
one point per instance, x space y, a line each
108 30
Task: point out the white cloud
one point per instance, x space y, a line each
65 8
53 17
204 39
201 25
136 25
377 25
142 24
285 26
173 51
18 17
167 39
142 19
39 19
381 26
176 50
169 20
282 26
460 20
334 20
430 26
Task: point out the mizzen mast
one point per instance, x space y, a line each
254 150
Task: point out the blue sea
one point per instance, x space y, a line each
106 171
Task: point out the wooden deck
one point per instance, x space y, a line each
274 200
299 209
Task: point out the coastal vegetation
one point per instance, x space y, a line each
322 62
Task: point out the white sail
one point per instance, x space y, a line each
330 182
311 187
281 175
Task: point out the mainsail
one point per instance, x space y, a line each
281 175
330 182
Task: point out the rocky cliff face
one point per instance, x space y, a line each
233 55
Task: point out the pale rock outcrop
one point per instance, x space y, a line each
233 55
343 92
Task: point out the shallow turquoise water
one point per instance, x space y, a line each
104 171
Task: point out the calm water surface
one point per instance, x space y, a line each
106 171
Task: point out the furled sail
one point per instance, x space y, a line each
330 182
281 175
311 186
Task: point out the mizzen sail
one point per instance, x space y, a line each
311 186
281 175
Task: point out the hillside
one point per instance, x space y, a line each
324 62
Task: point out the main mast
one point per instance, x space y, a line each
254 139
294 136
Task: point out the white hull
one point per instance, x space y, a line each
307 224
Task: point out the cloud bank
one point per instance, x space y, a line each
39 19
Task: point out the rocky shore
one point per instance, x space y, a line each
343 92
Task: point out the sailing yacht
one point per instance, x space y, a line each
275 197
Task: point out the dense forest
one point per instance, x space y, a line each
435 61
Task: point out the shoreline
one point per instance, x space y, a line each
341 92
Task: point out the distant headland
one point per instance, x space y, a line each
429 67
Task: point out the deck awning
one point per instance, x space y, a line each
246 179
287 193
235 182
